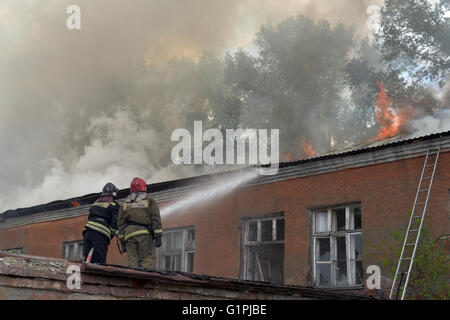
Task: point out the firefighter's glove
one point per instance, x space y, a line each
158 241
123 245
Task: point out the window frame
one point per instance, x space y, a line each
185 251
247 244
333 233
78 244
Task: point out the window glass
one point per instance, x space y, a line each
324 273
357 218
356 245
177 250
338 250
177 262
266 230
168 240
341 264
264 250
280 229
190 245
190 262
322 221
339 215
73 250
70 251
178 240
252 231
359 278
323 249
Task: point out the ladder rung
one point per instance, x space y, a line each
409 244
426 178
407 258
429 165
423 190
414 230
420 203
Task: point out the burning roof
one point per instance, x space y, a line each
399 139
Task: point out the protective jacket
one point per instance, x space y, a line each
139 214
103 216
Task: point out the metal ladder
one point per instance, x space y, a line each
415 223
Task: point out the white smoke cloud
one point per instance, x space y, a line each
61 134
439 121
118 150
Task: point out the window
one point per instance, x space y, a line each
337 246
264 249
177 250
73 250
15 250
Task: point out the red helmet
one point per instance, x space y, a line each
137 185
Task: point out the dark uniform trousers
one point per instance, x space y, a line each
99 242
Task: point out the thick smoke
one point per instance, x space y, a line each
72 116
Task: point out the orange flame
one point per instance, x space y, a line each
307 147
390 122
287 157
75 204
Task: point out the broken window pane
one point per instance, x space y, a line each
323 249
339 215
266 230
280 229
324 273
252 231
264 259
322 221
356 245
341 264
357 218
359 276
190 240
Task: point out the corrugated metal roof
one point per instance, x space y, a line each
164 185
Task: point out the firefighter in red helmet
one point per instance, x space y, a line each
139 224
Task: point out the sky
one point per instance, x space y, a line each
61 134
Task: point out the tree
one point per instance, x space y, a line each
295 81
414 35
429 274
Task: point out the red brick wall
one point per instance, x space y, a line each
386 192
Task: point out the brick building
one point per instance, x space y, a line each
308 225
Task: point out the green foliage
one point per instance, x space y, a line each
313 81
430 273
415 36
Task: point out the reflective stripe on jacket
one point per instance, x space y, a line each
100 228
136 233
